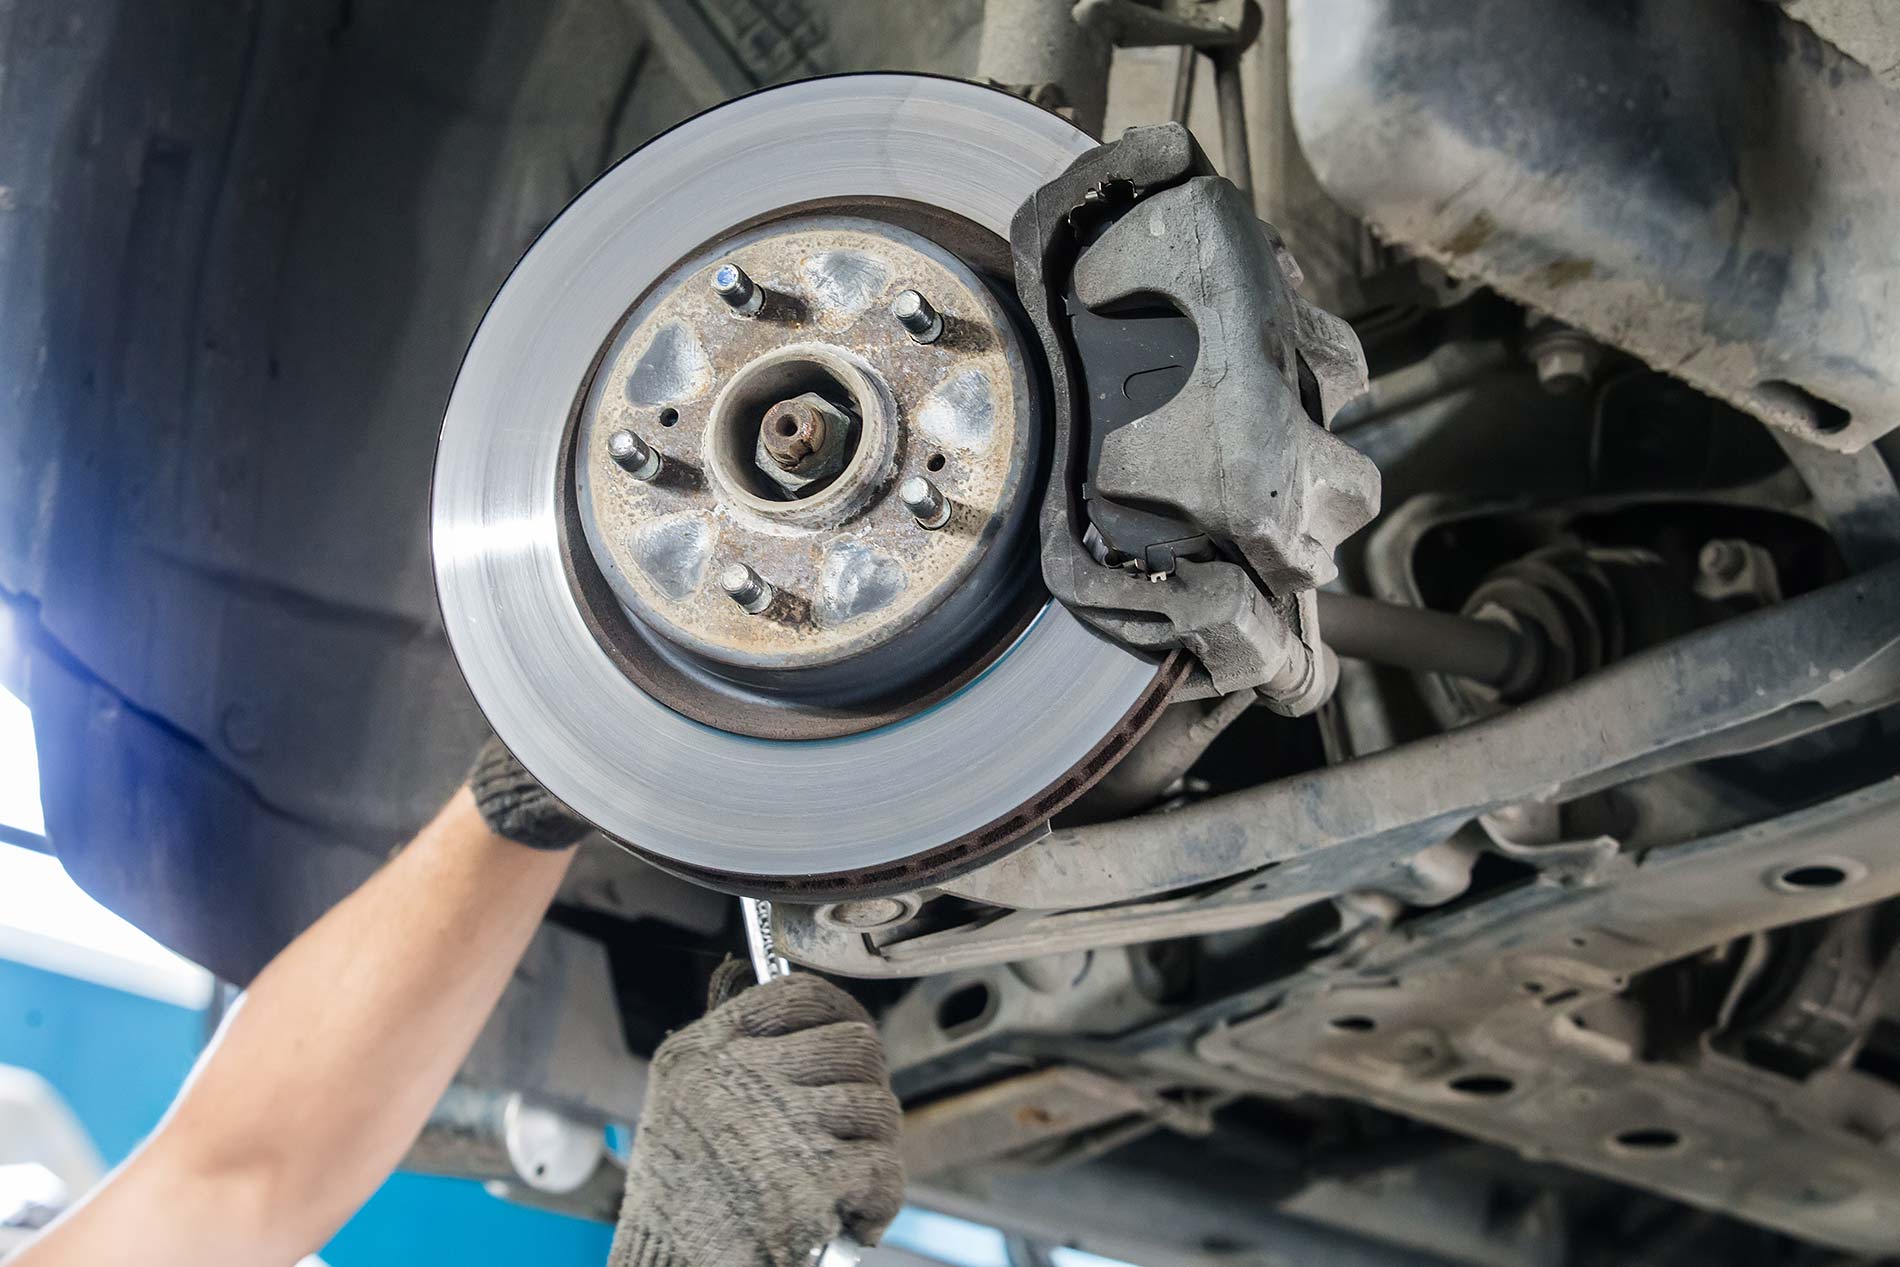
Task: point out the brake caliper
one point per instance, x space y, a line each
1196 497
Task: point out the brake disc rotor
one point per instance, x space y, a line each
904 702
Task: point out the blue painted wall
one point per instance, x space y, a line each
118 1059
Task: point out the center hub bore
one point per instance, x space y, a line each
805 463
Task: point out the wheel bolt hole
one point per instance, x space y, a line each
936 462
1485 1085
1815 876
1651 1139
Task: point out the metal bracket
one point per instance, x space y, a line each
1740 686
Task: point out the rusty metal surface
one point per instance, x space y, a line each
1507 1022
1010 1116
1705 185
696 381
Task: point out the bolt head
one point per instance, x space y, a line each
871 912
1565 369
1722 560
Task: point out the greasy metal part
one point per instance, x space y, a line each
874 810
1133 502
918 318
1740 686
1503 1021
1704 187
1427 641
1037 49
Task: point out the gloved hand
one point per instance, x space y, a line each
516 807
769 1127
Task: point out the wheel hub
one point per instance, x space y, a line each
786 436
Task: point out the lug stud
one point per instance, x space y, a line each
925 501
747 588
915 314
633 455
741 294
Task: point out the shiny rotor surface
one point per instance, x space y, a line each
675 788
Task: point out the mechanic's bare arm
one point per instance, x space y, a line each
329 1065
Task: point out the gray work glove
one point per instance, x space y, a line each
769 1128
515 805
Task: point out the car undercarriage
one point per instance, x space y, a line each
1301 597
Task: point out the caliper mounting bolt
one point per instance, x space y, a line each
747 588
633 455
915 314
925 501
741 294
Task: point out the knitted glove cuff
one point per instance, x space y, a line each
643 1247
515 805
